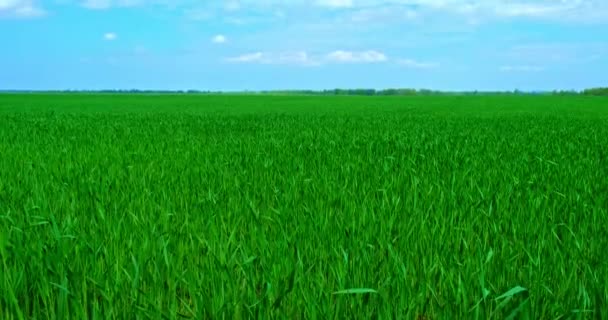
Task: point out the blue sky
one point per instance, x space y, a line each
312 44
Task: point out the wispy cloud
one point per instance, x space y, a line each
20 9
303 58
247 58
285 58
477 11
370 56
107 4
588 11
503 8
414 64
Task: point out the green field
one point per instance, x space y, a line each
199 206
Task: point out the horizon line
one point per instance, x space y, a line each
308 91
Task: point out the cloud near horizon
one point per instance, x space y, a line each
285 58
303 58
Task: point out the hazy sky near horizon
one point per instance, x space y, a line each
314 44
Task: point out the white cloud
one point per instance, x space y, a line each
299 58
410 63
369 56
20 9
521 68
302 58
110 36
219 39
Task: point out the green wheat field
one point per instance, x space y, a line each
142 206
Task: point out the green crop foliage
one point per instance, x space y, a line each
201 206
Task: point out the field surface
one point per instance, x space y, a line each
194 206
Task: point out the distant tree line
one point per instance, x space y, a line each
427 92
135 91
349 92
596 92
374 92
